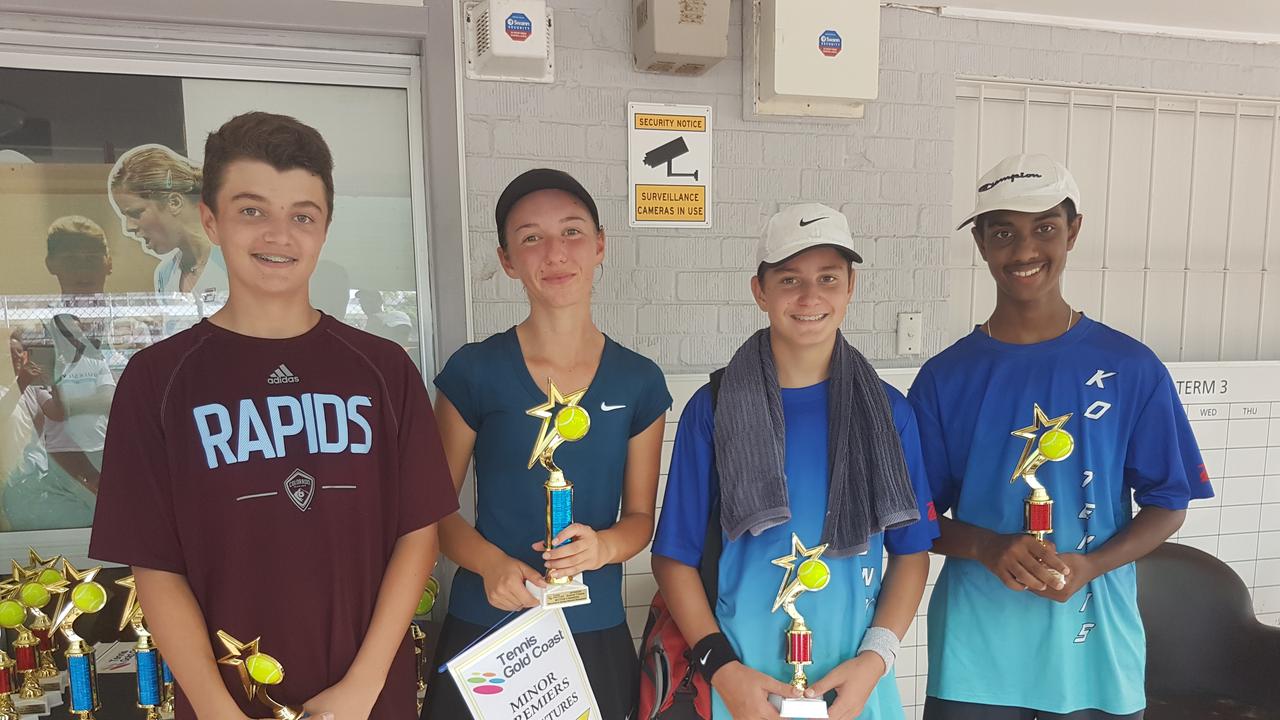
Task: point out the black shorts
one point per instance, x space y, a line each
936 709
609 655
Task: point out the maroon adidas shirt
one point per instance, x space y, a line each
276 475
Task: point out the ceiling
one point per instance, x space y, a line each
1250 19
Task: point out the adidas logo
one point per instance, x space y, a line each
281 376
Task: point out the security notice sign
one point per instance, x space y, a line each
669 165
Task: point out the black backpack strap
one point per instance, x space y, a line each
709 567
717 377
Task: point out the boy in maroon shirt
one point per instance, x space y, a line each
272 471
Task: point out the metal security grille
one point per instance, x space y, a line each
1180 243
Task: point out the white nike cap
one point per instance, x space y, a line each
1024 183
800 227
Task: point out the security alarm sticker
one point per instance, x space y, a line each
830 43
519 28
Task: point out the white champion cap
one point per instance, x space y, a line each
1024 183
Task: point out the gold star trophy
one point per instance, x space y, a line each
29 590
812 576
1052 445
146 656
45 571
425 604
257 671
568 424
87 597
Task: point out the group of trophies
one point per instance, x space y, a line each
32 684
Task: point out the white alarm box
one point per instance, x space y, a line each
816 57
510 40
679 37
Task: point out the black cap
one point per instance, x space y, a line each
533 181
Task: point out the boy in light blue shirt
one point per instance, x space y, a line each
1021 628
796 409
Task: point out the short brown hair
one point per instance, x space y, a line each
765 267
277 140
74 229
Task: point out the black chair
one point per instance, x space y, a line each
1207 654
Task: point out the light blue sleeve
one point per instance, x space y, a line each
1162 461
944 486
691 480
918 536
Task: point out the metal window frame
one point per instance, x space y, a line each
414 49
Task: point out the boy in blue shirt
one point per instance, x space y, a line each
803 438
1021 628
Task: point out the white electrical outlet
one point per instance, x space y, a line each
910 327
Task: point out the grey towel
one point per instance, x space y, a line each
869 489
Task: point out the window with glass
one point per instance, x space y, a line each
102 251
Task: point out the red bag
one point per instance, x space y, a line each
670 688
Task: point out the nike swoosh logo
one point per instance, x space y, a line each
703 661
810 222
608 408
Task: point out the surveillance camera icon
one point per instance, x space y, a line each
666 153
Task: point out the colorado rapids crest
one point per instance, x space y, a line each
301 489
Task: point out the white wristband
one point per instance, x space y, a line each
883 642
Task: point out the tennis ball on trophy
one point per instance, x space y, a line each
89 597
264 669
428 599
12 613
572 422
49 576
813 574
1056 444
34 595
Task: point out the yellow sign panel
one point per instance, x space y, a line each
671 203
683 123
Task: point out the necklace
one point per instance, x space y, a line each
1071 319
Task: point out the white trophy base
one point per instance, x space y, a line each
37 707
799 707
55 685
561 595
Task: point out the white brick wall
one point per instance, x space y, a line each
681 296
